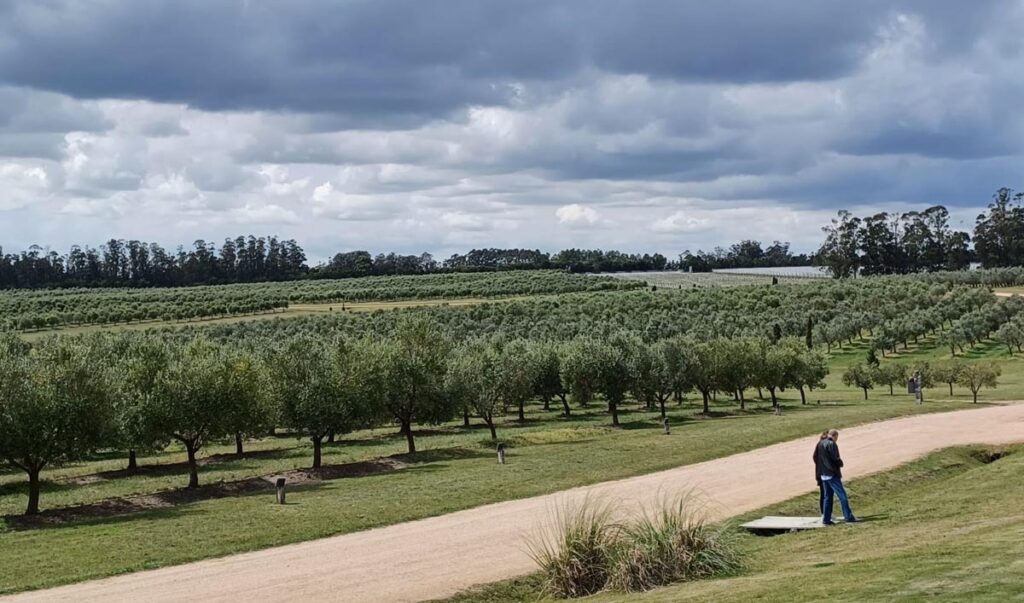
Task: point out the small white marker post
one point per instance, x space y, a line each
280 490
501 453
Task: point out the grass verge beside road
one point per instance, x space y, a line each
943 528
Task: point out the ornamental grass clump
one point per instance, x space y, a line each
673 543
587 551
578 552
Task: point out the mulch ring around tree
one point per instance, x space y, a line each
114 507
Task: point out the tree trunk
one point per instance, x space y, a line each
890 389
490 425
707 409
547 403
193 469
614 409
565 404
865 393
663 408
775 401
407 430
239 451
317 450
975 396
522 410
465 417
133 463
803 396
330 438
760 394
33 492
950 388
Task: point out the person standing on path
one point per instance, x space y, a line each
832 478
817 474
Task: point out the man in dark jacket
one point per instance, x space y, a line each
831 466
817 474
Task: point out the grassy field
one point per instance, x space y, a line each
547 454
942 528
453 459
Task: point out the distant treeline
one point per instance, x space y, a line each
745 254
120 263
922 241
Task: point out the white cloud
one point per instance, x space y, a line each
577 214
680 221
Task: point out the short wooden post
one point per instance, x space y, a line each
501 453
664 422
280 490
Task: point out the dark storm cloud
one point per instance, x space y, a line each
393 62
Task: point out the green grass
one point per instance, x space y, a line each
547 454
943 528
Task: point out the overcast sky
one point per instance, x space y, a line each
440 126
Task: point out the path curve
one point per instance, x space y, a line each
440 556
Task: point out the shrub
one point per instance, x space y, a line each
585 551
672 544
578 552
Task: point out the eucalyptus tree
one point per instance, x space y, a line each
55 407
407 376
977 375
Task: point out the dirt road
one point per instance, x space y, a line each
439 556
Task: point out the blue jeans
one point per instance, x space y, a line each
821 497
835 486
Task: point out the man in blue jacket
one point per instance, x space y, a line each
831 465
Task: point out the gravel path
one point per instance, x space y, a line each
440 556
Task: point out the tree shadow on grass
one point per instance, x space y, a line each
178 468
132 506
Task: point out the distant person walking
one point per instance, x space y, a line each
832 478
817 474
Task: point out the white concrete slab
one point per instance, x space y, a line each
776 523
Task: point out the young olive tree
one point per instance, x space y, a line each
890 374
948 372
54 407
811 370
977 375
614 377
252 410
859 375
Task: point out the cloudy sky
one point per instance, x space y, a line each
440 126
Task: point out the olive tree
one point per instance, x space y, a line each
948 372
137 361
977 375
316 389
516 375
614 378
408 376
54 407
473 380
581 373
859 375
811 370
891 374
193 399
547 378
